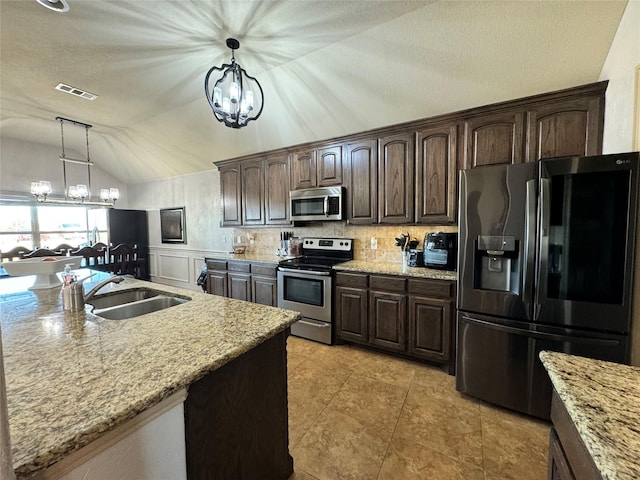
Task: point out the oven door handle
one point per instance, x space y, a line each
316 325
302 273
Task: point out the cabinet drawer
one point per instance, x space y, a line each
264 270
356 280
239 267
387 284
214 264
431 288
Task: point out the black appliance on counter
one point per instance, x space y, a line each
441 250
305 285
546 263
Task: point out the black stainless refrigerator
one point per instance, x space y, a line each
546 258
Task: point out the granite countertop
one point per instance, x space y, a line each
73 376
603 401
395 269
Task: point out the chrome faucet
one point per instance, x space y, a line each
91 293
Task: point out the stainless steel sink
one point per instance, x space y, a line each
140 307
118 298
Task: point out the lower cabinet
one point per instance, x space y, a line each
243 280
411 316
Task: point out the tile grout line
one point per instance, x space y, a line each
386 452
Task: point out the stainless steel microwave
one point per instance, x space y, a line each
315 204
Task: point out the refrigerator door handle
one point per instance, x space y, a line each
542 335
529 244
543 243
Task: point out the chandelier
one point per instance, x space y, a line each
80 193
236 97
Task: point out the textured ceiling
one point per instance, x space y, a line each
328 68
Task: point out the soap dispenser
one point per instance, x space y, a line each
67 279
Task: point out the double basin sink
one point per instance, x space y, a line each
133 303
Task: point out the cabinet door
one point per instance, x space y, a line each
559 468
361 179
436 169
396 159
277 190
430 322
303 170
329 166
217 283
253 193
387 320
264 290
239 286
351 314
230 192
494 138
572 127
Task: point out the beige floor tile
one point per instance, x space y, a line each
303 412
408 460
339 447
450 426
514 446
301 347
316 381
301 475
370 401
386 369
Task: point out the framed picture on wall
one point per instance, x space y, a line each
172 225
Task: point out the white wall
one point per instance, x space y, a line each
620 69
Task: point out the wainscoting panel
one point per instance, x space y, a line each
177 266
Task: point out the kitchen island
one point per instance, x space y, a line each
74 377
595 411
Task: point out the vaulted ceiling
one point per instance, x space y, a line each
327 68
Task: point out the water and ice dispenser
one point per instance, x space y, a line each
497 263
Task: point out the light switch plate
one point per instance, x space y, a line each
374 243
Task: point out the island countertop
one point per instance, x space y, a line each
603 401
71 377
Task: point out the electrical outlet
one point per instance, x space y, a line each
224 239
374 243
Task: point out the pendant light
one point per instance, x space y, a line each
236 97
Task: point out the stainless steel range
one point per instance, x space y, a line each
305 285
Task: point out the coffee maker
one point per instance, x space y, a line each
441 250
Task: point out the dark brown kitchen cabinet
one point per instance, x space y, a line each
410 316
264 285
494 138
436 174
239 280
569 458
231 195
277 190
243 280
217 277
316 168
253 193
396 159
566 128
361 179
351 307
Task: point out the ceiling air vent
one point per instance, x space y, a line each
76 91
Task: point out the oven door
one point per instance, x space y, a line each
305 291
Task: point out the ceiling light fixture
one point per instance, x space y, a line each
236 96
60 6
80 193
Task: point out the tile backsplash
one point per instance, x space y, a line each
266 240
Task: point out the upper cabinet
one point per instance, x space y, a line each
231 194
277 190
316 168
255 192
566 128
436 174
396 159
361 179
493 138
407 174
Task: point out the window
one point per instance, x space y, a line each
48 226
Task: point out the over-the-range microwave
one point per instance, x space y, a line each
315 204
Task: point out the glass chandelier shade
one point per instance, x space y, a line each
236 97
